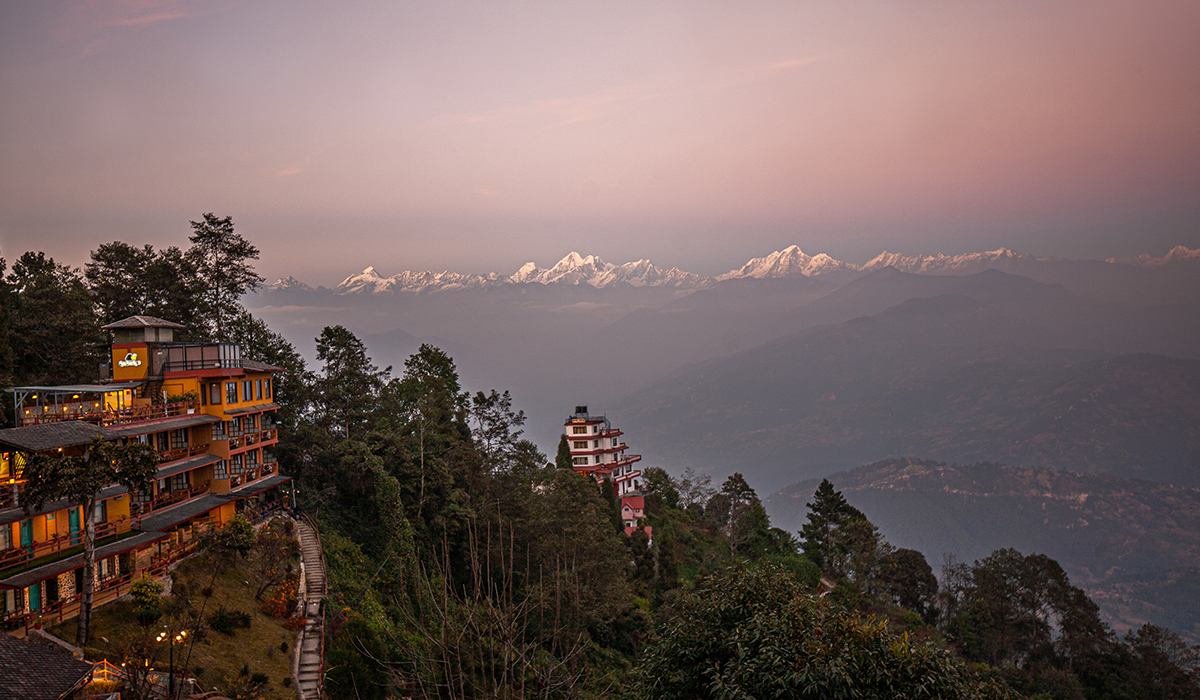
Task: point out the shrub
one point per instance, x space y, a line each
295 622
226 621
147 593
282 602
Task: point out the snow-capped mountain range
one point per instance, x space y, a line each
593 271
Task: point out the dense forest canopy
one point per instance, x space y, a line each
463 563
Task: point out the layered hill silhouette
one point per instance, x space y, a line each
1134 545
947 377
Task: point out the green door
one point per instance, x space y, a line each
35 597
76 538
26 533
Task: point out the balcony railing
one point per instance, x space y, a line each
8 498
21 556
181 452
90 412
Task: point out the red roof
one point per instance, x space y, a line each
634 502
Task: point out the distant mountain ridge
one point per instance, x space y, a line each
591 270
1133 545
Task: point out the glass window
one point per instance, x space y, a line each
268 387
220 431
581 444
161 440
579 430
258 389
247 390
179 438
6 536
101 512
214 393
231 392
579 460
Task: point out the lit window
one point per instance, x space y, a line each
581 444
579 430
214 393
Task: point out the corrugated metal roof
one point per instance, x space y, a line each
253 409
159 424
34 671
180 466
51 436
143 322
80 388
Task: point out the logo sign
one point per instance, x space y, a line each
131 360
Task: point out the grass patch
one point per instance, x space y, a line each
222 658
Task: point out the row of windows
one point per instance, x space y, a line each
583 444
252 390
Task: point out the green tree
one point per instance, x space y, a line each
116 280
755 633
662 485
495 427
1162 664
222 260
53 332
348 389
739 514
823 537
78 478
908 579
562 460
262 344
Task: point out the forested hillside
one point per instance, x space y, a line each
464 564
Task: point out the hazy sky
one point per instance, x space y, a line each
476 136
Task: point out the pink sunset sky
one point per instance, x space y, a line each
477 136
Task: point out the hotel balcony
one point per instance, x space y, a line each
93 412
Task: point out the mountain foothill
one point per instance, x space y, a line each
1081 376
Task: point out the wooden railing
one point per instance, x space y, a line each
21 556
7 498
180 452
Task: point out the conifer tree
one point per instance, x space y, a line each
563 459
829 519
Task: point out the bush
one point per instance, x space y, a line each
147 593
295 622
282 602
226 621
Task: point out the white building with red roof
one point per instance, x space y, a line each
597 450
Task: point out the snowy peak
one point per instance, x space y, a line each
942 264
1179 253
789 261
367 281
576 269
289 282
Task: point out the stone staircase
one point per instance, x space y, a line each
310 656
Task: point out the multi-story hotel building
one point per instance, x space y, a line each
207 412
598 451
